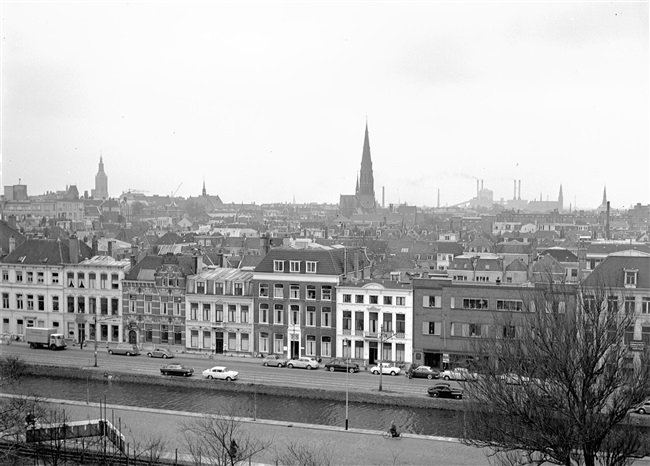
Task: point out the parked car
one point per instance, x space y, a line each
386 368
275 360
177 369
306 363
445 390
221 373
643 408
425 372
460 373
342 365
125 349
160 353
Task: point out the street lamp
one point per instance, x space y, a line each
382 339
346 343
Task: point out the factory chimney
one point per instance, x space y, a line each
478 188
515 193
520 190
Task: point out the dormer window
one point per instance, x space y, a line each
311 266
630 277
294 266
278 266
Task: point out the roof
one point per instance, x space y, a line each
7 232
517 265
221 274
330 261
46 252
560 254
146 268
609 248
513 247
610 271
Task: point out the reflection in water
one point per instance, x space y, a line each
324 412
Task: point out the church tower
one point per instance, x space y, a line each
101 182
366 179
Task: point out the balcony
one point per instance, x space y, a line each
371 335
216 324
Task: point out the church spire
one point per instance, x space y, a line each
366 178
203 191
605 195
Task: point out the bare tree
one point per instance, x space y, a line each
557 381
146 448
221 439
12 369
298 454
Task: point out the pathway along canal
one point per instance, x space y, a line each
324 412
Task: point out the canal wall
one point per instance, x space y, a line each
386 398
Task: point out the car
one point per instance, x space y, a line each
460 373
643 408
512 378
445 390
177 369
274 360
125 349
221 373
306 363
386 368
424 372
342 365
160 353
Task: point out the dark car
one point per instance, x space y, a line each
445 390
177 369
424 372
342 365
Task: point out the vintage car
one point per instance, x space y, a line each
177 369
221 373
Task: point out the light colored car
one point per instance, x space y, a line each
160 353
385 368
125 349
275 360
643 408
513 379
221 373
460 373
304 363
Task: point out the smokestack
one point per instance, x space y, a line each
607 222
477 187
515 193
520 190
12 244
383 197
133 260
110 248
266 244
74 249
220 259
94 245
482 185
438 198
198 263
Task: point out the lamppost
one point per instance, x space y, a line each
346 343
382 338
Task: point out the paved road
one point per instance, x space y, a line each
353 447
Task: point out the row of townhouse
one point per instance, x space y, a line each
316 302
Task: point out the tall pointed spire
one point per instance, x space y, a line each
605 195
203 192
366 178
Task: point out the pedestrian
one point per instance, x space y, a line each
81 345
234 449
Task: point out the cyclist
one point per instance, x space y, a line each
393 430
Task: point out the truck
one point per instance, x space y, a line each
39 337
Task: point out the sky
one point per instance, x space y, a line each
268 101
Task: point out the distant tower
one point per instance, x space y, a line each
560 200
203 192
101 182
604 196
366 179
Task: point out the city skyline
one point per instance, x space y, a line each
550 94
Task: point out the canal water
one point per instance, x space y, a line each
324 412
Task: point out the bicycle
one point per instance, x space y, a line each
389 435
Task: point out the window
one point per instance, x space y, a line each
387 353
310 349
30 277
326 293
373 326
81 280
311 292
630 278
148 299
102 280
388 322
475 330
347 298
218 288
40 277
326 317
70 303
294 314
278 290
178 302
92 305
400 301
30 302
55 303
509 305
264 290
244 314
326 347
207 312
358 321
264 314
629 305
70 280
645 305
459 330
194 339
115 306
359 298
645 334
278 266
388 300
115 281
474 303
311 316
612 304
194 310
5 300
431 328
5 278
311 266
399 352
41 302
509 331
278 343
239 289
400 324
264 342
19 301
432 301
294 266
91 280
200 287
232 341
347 322
374 299
278 311
218 312
245 346
81 304
55 277
116 332
294 291
232 313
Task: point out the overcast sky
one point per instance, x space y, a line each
267 101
